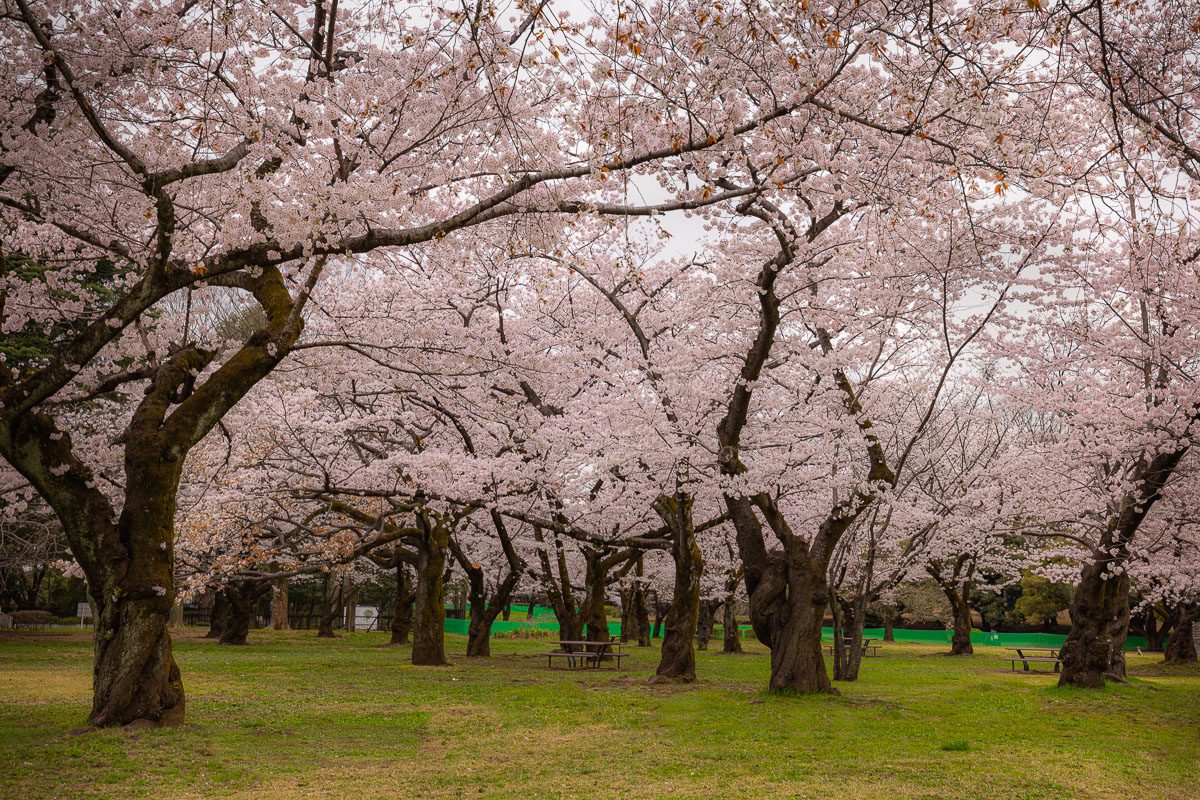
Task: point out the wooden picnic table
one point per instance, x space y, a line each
586 653
868 648
1026 660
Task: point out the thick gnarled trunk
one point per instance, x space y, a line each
1100 603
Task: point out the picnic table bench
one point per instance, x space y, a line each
585 653
1026 660
868 648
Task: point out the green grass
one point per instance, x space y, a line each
293 716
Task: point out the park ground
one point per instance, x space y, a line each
292 716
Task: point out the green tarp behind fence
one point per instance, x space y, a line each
459 626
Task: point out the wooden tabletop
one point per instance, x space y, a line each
1047 649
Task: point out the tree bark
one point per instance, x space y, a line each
733 635
1096 610
331 609
217 616
429 617
1155 630
402 613
1181 646
279 606
177 619
239 602
960 605
678 659
706 622
889 620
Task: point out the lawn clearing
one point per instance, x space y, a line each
293 716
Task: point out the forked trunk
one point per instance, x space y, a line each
678 660
787 606
1087 654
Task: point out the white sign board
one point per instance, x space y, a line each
84 610
366 618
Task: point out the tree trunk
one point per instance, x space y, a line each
591 614
889 620
960 605
177 620
659 611
402 613
788 597
429 618
1096 610
135 677
239 602
1155 632
706 622
331 609
1181 647
733 635
678 660
795 636
279 606
349 609
217 616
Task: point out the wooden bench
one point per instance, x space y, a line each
1051 656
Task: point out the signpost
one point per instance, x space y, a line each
83 611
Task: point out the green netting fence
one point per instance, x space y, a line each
459 626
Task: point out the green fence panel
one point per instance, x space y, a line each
459 627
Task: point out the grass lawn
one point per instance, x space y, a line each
293 716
